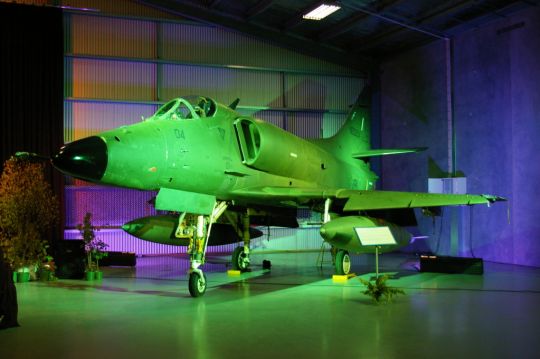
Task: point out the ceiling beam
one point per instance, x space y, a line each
201 13
213 3
405 23
341 27
503 11
433 15
258 8
352 21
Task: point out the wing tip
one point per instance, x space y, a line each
492 198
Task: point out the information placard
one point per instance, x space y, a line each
375 236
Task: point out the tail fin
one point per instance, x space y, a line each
353 139
354 136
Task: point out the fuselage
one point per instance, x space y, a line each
220 153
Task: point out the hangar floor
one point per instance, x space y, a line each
294 310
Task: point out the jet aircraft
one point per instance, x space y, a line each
211 164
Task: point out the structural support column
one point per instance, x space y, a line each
449 50
456 213
376 116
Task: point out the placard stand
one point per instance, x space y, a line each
377 261
375 236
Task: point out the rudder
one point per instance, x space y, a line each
354 136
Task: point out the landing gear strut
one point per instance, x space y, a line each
340 258
240 256
197 229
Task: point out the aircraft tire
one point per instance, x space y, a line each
197 287
238 262
343 262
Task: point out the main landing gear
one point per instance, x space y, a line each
340 258
343 262
240 259
240 256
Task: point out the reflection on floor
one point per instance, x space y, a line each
293 310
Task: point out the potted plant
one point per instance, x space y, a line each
46 270
86 230
94 248
378 289
28 212
98 253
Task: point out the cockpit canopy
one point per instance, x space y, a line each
189 107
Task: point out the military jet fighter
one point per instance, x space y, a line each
207 161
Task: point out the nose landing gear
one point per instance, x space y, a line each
198 228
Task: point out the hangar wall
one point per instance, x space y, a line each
123 62
496 106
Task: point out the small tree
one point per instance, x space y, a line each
98 251
378 289
28 212
94 246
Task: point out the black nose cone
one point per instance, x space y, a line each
85 159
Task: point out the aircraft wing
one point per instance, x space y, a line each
358 200
366 200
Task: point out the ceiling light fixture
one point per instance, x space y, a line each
321 12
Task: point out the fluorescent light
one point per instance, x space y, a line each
321 12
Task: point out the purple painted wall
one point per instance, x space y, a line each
497 124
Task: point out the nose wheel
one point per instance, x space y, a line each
197 283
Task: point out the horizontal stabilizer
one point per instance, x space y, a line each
387 151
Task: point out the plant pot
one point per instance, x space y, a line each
23 277
45 275
90 275
98 275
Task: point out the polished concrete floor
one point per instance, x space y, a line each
294 310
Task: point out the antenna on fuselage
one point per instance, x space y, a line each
233 105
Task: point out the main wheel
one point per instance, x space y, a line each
343 262
240 259
197 284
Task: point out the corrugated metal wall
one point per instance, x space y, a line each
214 45
97 35
113 80
273 117
321 92
83 119
223 84
103 203
124 8
118 69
